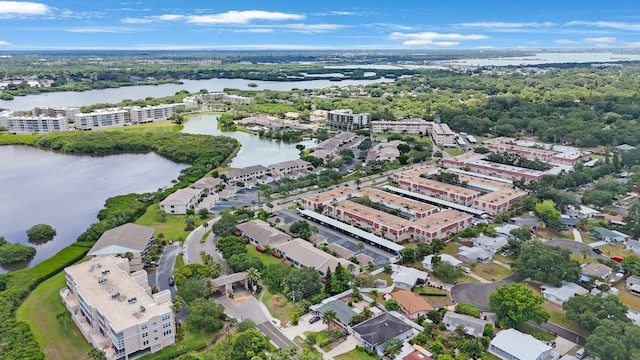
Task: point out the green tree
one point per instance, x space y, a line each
245 325
96 354
614 340
248 344
189 223
329 318
253 277
226 225
467 309
203 213
589 311
392 305
549 264
392 347
274 276
192 289
547 212
446 272
40 233
205 315
598 198
302 283
515 304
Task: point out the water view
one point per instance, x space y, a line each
254 150
90 97
67 191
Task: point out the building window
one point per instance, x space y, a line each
143 327
166 317
146 342
166 325
168 332
144 335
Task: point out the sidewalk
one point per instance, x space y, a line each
577 236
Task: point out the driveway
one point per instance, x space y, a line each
478 294
574 246
165 268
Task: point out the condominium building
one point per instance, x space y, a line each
35 124
146 114
246 173
412 208
498 202
303 254
103 118
442 191
507 145
115 311
371 220
331 147
408 126
181 201
442 224
442 135
290 168
345 119
68 112
318 202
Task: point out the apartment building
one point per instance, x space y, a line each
345 119
507 145
68 112
442 135
331 147
290 168
35 124
371 220
115 311
103 118
498 202
442 224
407 126
386 151
181 201
320 200
246 174
414 209
476 163
146 114
302 254
442 191
260 234
127 238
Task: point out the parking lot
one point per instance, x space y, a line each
241 198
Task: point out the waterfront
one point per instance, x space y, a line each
254 150
67 191
85 98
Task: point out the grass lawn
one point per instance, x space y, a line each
356 354
491 271
283 311
454 152
558 316
266 259
179 264
614 250
536 332
58 339
503 259
438 301
172 227
586 238
384 276
451 248
627 298
191 341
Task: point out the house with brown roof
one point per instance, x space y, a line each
260 234
301 253
595 271
411 304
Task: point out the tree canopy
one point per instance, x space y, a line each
549 264
515 304
589 311
40 233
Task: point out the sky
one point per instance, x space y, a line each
318 24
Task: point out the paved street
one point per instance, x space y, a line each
165 268
478 294
276 335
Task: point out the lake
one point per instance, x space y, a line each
66 99
254 151
67 191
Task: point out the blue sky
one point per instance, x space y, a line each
330 25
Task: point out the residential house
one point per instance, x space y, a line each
505 230
406 278
633 245
633 285
472 326
290 169
115 310
127 238
181 201
301 253
491 244
207 183
344 312
474 255
417 355
610 236
249 174
412 305
595 271
560 294
427 262
511 344
374 332
261 235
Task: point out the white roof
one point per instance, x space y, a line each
564 292
519 345
443 257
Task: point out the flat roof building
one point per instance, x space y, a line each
345 119
115 311
407 126
416 209
448 192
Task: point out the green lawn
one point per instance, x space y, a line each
266 259
356 354
627 298
491 271
454 152
172 227
282 311
58 339
384 276
451 248
536 332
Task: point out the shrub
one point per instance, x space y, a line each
467 309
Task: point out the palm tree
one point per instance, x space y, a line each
216 269
360 246
329 318
374 294
253 276
585 252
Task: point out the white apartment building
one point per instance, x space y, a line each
181 201
442 135
35 124
103 118
407 126
139 115
115 311
345 119
68 112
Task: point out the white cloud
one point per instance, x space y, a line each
169 17
137 20
312 28
95 30
389 26
242 17
633 44
505 25
433 38
150 19
565 42
607 24
255 30
600 41
4 43
18 8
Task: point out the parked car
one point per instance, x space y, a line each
171 281
617 258
314 319
597 251
552 343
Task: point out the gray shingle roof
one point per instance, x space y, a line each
381 328
127 237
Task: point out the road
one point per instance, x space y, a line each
276 335
165 268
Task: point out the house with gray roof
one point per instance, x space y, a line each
344 313
260 234
560 294
427 262
491 244
301 253
472 326
181 201
132 238
373 333
610 236
474 255
633 285
511 344
406 278
208 183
